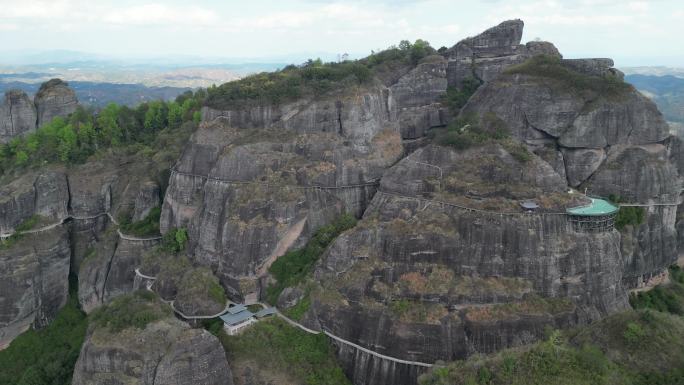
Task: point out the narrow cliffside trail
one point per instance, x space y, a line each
71 217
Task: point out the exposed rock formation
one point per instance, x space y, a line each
165 352
486 55
416 98
36 268
147 199
17 115
45 194
249 195
54 98
612 140
429 281
20 115
33 281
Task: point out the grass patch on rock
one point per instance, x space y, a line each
473 131
135 310
148 226
552 68
636 347
292 268
313 78
277 346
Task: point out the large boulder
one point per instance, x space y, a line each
17 115
485 56
54 98
165 351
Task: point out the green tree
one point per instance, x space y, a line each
155 117
21 158
175 115
67 143
107 121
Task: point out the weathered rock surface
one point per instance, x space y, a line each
166 352
416 98
17 115
247 195
86 194
613 144
428 281
146 200
54 98
581 163
488 54
536 109
33 281
45 194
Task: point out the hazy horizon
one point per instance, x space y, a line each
635 33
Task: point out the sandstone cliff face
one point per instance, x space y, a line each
609 144
54 98
17 115
44 194
247 195
33 281
430 281
166 352
37 267
486 55
416 98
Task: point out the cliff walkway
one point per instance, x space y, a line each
349 343
337 339
74 217
375 182
511 213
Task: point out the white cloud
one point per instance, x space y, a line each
64 12
639 6
159 14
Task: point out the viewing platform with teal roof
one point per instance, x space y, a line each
597 216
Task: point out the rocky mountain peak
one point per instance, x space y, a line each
505 35
54 98
17 115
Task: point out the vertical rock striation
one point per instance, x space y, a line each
17 115
54 98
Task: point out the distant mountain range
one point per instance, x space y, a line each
100 94
667 92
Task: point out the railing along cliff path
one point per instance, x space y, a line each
74 217
292 323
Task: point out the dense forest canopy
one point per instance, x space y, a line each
86 132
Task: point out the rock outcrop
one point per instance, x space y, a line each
34 281
249 194
416 98
54 98
164 352
488 54
611 139
68 210
17 115
435 272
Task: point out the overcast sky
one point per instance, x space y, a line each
632 32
